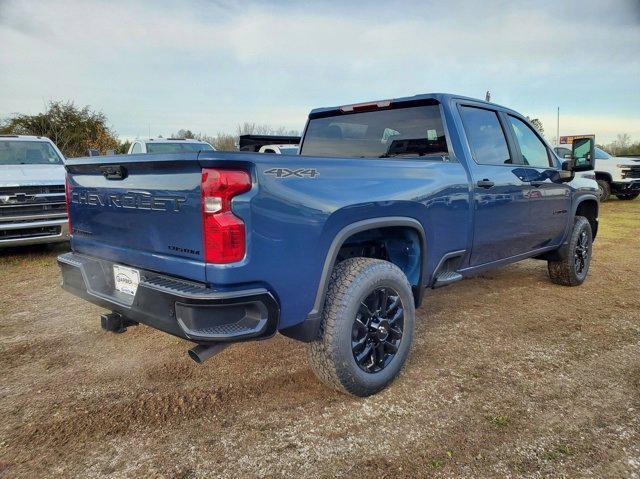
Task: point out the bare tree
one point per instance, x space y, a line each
228 142
248 128
622 146
182 133
537 124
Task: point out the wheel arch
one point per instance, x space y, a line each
307 330
603 175
588 207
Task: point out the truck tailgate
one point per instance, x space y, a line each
139 210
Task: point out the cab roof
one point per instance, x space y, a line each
439 97
24 138
170 140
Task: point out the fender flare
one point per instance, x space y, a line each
604 175
582 199
307 330
559 253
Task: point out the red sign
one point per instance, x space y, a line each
568 140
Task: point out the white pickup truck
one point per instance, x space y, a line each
279 149
168 145
615 175
32 191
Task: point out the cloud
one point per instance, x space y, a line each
210 65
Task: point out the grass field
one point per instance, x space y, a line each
510 376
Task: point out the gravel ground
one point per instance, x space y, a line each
509 376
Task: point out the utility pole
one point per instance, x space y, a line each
558 129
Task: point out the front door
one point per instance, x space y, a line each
501 207
549 197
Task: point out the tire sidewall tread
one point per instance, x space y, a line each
563 271
330 355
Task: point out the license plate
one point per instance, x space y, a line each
126 279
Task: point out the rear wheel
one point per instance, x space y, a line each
367 327
604 190
573 269
628 196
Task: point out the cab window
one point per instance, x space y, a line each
486 137
412 131
533 150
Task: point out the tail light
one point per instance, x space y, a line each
67 196
223 232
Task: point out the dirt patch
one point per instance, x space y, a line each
509 375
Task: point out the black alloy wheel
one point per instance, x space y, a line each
377 329
582 254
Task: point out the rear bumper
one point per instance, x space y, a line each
182 308
33 232
623 187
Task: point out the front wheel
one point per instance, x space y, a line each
628 196
367 327
573 269
604 190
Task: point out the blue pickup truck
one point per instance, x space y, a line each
335 246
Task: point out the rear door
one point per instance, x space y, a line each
139 210
549 197
501 208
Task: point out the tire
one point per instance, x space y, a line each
628 196
573 269
604 190
352 325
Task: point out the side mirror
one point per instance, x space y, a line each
566 174
583 153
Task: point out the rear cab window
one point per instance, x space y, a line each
485 135
397 130
176 147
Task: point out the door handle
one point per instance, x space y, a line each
485 183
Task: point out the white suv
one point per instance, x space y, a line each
615 175
168 145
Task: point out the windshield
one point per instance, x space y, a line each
602 155
176 147
28 153
413 131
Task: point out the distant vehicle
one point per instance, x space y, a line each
256 142
279 149
615 175
334 246
32 191
168 145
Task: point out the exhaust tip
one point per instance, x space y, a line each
202 352
195 356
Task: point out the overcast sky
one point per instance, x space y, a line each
209 65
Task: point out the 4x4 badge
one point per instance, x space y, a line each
299 173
